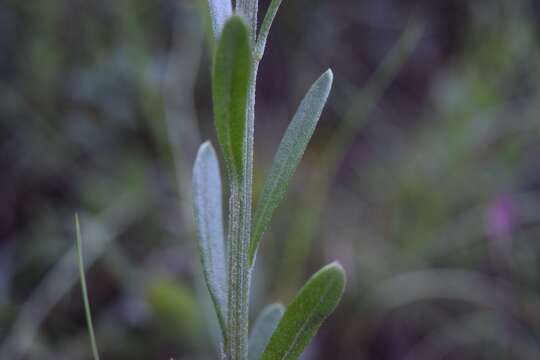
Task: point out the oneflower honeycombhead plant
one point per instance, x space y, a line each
228 261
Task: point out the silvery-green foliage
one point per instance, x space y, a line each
220 11
305 314
288 155
209 220
263 329
230 89
260 46
230 86
277 334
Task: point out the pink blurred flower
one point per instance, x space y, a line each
499 217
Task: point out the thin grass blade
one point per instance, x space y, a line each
209 220
303 317
87 311
263 328
265 28
230 82
290 151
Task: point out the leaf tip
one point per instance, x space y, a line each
337 266
337 270
329 75
206 149
206 143
324 85
276 307
236 23
326 80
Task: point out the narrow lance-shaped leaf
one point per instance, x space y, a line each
303 317
209 221
288 156
230 82
265 325
265 28
220 11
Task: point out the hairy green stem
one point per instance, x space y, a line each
234 80
248 9
238 278
240 214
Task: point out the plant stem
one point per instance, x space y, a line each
240 213
248 9
237 304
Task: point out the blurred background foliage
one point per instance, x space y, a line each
423 178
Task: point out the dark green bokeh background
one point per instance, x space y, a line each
422 179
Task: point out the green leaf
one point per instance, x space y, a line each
265 28
230 83
220 11
264 326
209 221
288 156
303 317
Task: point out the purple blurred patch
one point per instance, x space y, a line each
499 217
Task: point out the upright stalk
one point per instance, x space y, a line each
234 79
248 9
236 346
240 214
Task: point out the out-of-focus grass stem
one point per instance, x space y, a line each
87 310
